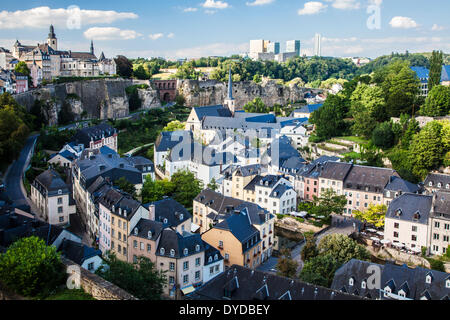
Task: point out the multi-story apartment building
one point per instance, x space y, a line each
119 213
332 176
407 221
211 208
237 240
96 137
396 187
439 223
52 197
171 214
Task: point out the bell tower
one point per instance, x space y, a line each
229 102
52 41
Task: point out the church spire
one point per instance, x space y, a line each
230 86
92 47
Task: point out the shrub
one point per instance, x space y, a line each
31 268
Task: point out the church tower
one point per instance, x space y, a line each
229 102
52 41
92 47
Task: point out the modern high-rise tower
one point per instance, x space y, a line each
293 46
318 45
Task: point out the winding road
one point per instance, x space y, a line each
13 178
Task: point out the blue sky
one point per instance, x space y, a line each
194 28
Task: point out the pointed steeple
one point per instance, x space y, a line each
92 47
230 86
52 35
102 57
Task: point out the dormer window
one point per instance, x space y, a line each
210 259
216 257
186 251
447 186
364 284
351 282
398 212
172 253
430 184
439 185
136 231
165 221
429 279
417 215
162 251
447 283
149 235
402 294
181 217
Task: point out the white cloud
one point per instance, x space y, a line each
345 4
110 33
376 2
259 2
190 10
215 4
41 17
312 7
171 35
156 36
437 27
403 23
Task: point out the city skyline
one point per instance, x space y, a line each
192 29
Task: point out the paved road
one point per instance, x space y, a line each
13 179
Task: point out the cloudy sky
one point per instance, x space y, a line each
195 28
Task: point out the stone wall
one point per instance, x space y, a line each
212 92
96 99
99 288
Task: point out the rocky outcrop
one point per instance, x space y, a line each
211 92
93 99
149 98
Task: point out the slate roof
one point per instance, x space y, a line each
293 164
218 202
410 204
250 170
52 182
144 226
412 281
445 75
86 135
120 200
172 240
239 225
171 210
212 111
369 179
441 203
399 184
281 150
77 252
280 190
83 55
309 108
335 171
167 140
247 284
435 179
201 155
422 73
213 253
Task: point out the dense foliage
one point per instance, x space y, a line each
31 268
287 267
142 279
374 215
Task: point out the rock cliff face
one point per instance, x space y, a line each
211 92
94 99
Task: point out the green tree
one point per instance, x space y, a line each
140 73
320 270
31 268
342 248
187 187
257 78
213 185
427 150
374 215
126 186
383 136
13 133
174 126
287 267
329 119
436 62
141 279
124 67
329 203
438 102
153 191
400 86
22 68
180 100
256 106
310 250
